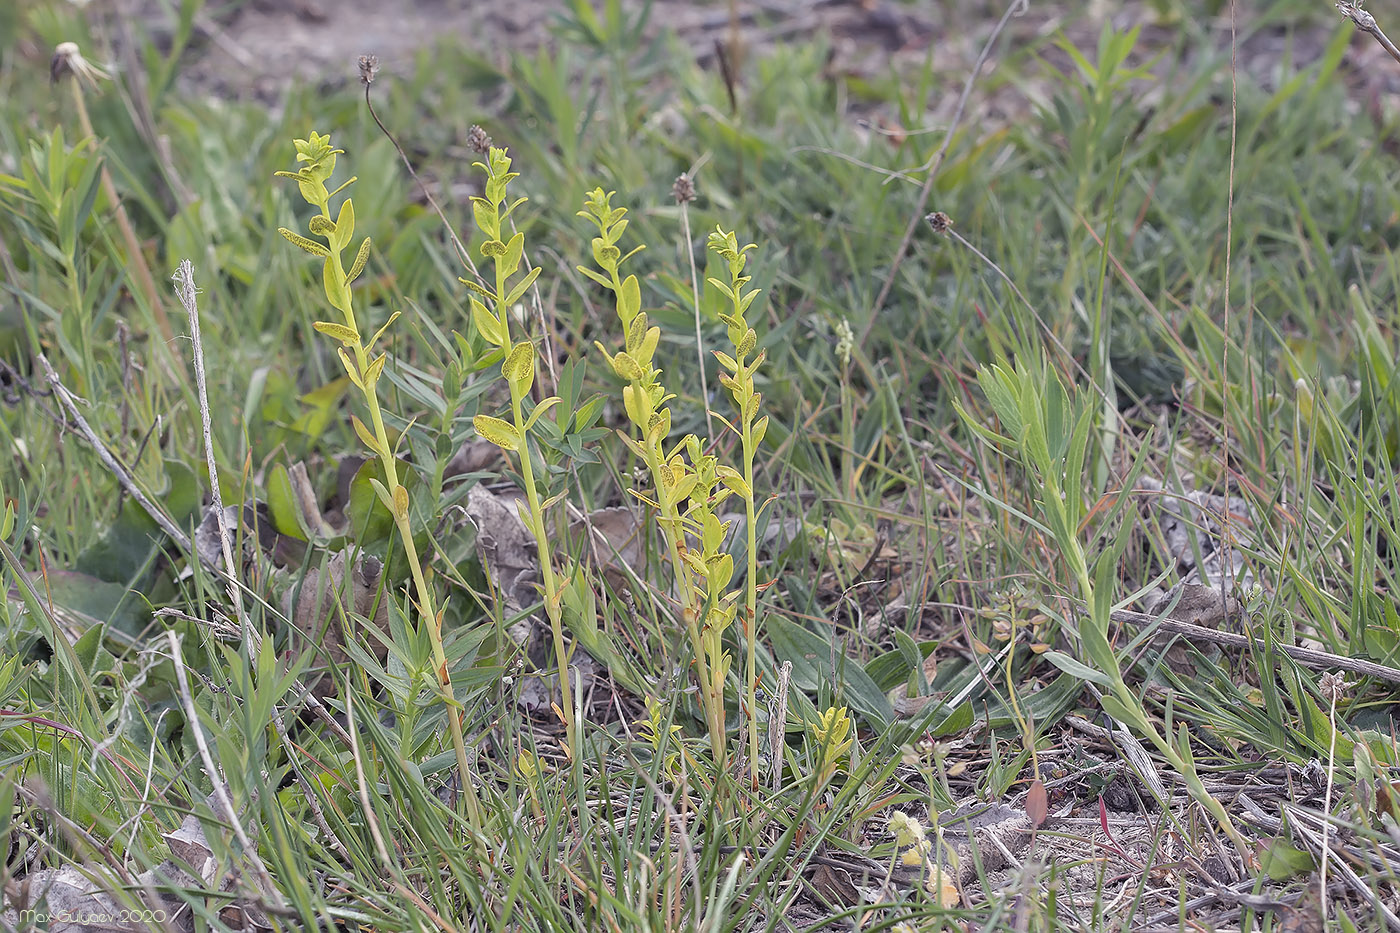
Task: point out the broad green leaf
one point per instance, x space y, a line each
344 226
498 432
346 335
282 503
629 300
519 368
1072 666
628 368
811 665
487 324
311 246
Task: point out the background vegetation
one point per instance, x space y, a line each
1164 278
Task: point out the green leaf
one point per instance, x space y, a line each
84 601
367 437
600 279
520 287
811 665
282 503
519 369
346 335
1282 861
629 300
1130 715
480 289
498 432
1072 666
375 369
892 668
487 324
380 333
349 365
1035 446
311 246
358 266
760 430
370 521
344 226
998 386
487 220
958 720
544 406
628 368
382 494
509 260
125 552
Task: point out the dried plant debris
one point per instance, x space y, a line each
252 527
79 899
474 456
319 610
1192 525
508 553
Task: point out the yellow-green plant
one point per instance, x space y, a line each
518 370
701 578
832 734
739 381
317 163
660 735
690 484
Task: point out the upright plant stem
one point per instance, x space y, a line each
750 622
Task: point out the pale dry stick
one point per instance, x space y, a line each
215 775
687 847
1299 820
1226 535
934 164
188 294
1308 657
777 724
68 401
1332 687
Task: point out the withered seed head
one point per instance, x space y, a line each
477 139
369 67
939 222
683 190
68 60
